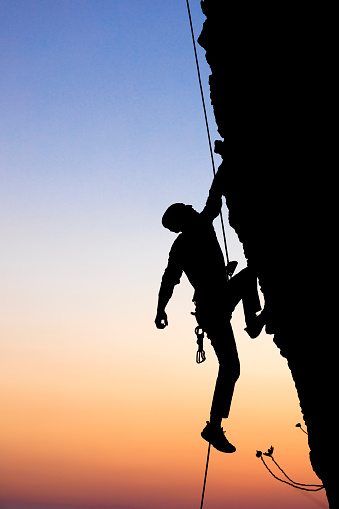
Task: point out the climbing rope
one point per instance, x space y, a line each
199 332
206 468
206 120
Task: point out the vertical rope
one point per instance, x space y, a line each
221 217
206 120
203 489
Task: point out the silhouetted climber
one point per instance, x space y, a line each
196 252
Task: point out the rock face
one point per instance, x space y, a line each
272 88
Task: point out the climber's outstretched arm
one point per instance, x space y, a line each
170 278
165 293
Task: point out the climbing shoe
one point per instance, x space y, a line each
255 325
216 437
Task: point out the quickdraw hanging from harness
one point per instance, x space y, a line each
201 356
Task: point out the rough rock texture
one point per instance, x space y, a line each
272 89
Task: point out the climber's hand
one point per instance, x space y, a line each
161 319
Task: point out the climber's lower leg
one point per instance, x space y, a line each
223 394
255 324
229 371
215 420
213 432
243 286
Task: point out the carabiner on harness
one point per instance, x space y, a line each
201 356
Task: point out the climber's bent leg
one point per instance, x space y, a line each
243 286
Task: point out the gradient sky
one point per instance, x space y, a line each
101 129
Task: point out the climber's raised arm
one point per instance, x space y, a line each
213 204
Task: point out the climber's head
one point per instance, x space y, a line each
178 216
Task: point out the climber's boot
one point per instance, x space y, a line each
215 435
255 324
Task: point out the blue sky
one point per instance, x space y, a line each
95 86
102 124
